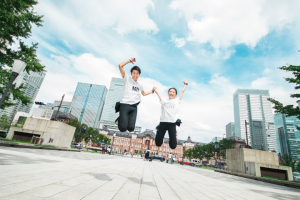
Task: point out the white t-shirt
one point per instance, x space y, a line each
170 156
132 91
169 110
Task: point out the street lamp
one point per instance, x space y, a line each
112 146
183 149
17 67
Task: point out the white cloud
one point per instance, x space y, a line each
179 42
188 53
227 23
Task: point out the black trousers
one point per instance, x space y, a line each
127 117
163 128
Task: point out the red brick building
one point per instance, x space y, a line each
123 142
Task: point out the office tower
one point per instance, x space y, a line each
217 139
230 130
253 108
288 135
32 83
87 103
114 95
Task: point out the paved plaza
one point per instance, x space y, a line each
47 174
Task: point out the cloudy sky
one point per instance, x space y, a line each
218 46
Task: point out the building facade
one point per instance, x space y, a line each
32 82
65 106
114 95
288 135
88 102
217 139
123 142
230 130
253 113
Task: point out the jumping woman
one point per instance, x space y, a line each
169 116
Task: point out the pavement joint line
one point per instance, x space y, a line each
41 173
45 185
164 180
232 194
167 173
141 181
171 177
125 181
106 182
77 184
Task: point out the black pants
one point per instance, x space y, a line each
127 117
163 128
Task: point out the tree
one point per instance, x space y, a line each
298 166
289 110
199 152
288 161
16 21
209 150
225 144
4 123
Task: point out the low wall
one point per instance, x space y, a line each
61 133
236 158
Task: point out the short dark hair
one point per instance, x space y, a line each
173 89
135 68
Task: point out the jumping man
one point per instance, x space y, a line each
131 97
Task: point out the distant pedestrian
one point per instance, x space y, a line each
147 154
170 158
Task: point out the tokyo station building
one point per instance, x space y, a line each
123 142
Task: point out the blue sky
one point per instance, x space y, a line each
219 46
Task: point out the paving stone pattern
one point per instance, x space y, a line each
47 174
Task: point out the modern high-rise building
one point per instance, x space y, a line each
217 139
87 103
114 95
288 135
32 83
253 111
65 106
230 130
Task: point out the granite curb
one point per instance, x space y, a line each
34 146
277 182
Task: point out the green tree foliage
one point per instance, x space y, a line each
298 166
16 20
209 150
4 123
289 110
90 133
288 161
225 144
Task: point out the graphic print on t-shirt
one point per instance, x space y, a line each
135 88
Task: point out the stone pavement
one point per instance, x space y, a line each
47 174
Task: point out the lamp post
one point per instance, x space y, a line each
112 146
183 149
17 67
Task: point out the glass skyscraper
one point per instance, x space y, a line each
253 107
230 130
32 83
87 103
288 136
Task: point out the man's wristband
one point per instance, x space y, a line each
152 91
185 84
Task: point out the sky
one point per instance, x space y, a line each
218 46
